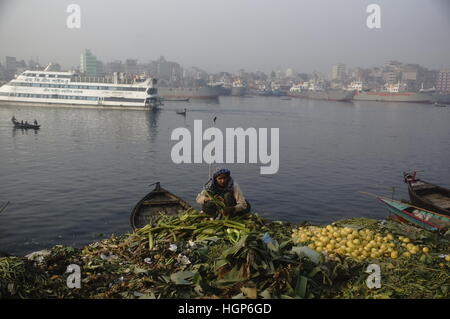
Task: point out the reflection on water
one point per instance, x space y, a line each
151 120
84 171
23 131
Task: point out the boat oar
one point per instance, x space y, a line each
4 207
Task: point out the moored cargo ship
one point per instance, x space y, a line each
411 97
238 91
204 92
394 93
316 91
224 89
238 88
329 95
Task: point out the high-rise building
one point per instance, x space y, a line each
114 66
428 79
100 68
131 66
392 66
359 74
2 73
166 70
88 64
33 65
417 77
290 72
338 72
11 64
391 77
443 81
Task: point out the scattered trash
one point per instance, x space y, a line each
182 259
115 282
38 256
108 257
192 244
266 238
243 257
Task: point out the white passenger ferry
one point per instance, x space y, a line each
69 89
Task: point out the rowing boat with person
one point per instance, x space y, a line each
25 125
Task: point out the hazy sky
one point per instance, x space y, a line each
226 35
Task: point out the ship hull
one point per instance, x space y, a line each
332 95
407 97
223 91
190 92
73 105
262 93
238 91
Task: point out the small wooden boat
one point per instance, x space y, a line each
423 218
427 195
439 104
157 201
25 126
285 98
403 211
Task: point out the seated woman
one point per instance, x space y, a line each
227 191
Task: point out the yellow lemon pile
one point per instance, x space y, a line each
360 245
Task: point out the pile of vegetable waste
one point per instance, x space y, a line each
193 256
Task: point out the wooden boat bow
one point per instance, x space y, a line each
158 201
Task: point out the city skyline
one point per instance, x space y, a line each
256 36
392 76
327 73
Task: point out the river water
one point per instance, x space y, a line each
78 178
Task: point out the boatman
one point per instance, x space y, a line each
223 189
